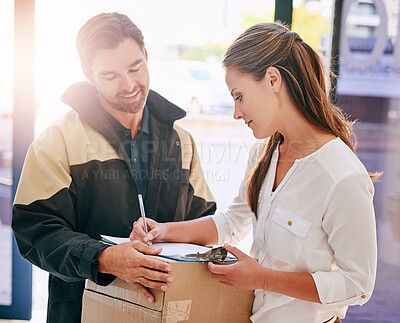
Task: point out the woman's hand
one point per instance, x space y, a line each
156 231
246 273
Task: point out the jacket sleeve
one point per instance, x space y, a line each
43 220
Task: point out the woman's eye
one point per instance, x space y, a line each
109 78
238 98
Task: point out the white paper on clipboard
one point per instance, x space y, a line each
169 248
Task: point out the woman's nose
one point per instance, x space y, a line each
237 114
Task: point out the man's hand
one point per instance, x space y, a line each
246 273
156 231
128 262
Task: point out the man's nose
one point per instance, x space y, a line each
127 83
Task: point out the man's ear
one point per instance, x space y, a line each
145 54
88 74
274 78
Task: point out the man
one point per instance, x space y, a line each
82 176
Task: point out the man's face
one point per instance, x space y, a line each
121 77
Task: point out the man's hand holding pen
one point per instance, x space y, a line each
129 261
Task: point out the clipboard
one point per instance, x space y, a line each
185 252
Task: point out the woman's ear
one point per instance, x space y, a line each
274 78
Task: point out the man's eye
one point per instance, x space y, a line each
109 78
133 70
238 98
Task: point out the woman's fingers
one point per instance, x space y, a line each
219 269
138 232
235 251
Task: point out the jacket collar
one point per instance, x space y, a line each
83 98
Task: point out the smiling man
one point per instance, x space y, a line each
82 176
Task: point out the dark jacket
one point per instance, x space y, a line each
77 183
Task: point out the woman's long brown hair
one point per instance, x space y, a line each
307 79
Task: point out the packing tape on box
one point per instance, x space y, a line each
224 303
178 311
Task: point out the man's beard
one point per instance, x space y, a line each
134 107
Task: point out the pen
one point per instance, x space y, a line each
143 215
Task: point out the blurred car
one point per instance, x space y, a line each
197 87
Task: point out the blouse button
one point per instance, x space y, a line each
289 223
363 296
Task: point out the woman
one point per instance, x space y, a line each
305 193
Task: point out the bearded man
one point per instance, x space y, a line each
82 176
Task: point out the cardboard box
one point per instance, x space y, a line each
193 297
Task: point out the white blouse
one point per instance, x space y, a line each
321 220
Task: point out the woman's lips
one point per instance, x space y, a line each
248 123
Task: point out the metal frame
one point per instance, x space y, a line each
23 116
336 30
284 11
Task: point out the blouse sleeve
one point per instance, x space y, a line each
235 223
349 222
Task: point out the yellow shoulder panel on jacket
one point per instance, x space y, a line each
67 142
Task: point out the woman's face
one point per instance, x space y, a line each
256 102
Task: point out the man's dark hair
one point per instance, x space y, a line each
105 31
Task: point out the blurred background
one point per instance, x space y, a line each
185 42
